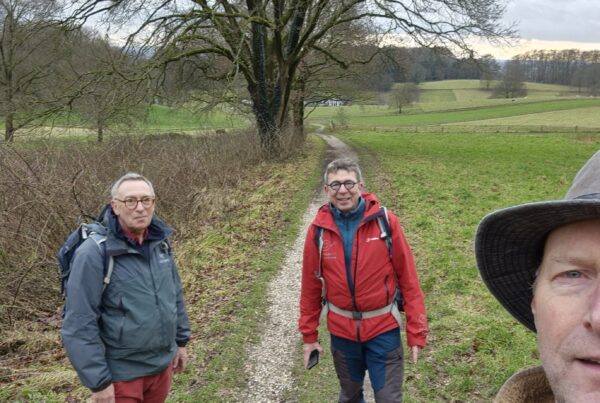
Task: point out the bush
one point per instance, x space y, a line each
46 187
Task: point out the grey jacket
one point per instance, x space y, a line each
135 326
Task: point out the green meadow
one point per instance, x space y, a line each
441 183
161 117
464 103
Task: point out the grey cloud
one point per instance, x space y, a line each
556 20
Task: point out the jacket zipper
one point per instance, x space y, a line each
387 290
356 239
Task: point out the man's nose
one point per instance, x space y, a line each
592 317
139 206
343 189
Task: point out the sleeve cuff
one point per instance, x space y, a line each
102 387
310 338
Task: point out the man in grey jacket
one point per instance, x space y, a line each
126 341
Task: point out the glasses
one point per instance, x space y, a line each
131 202
337 185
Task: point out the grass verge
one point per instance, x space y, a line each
229 268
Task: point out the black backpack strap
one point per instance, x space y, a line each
383 221
319 272
384 227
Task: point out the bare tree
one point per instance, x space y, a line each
107 89
489 70
404 94
265 41
29 47
512 83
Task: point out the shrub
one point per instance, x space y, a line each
45 187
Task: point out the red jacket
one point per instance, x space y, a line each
372 273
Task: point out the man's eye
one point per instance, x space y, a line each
130 200
572 274
146 199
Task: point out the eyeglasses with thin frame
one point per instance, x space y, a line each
131 202
335 186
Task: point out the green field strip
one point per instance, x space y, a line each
494 112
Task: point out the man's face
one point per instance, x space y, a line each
343 199
566 307
138 219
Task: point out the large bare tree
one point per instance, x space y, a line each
264 41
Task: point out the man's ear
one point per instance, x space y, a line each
113 204
361 186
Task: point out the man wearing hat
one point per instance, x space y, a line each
542 262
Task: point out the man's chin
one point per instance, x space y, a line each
573 396
576 390
344 206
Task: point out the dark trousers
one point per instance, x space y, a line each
382 356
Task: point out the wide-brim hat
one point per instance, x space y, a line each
509 243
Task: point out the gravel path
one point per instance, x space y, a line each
270 362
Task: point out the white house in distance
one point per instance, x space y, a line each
327 102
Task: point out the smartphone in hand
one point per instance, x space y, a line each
313 359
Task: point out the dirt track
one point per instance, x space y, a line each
270 362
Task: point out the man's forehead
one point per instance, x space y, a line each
135 188
343 173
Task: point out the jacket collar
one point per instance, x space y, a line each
325 218
358 210
118 243
527 386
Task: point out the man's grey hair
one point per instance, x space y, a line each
346 164
130 176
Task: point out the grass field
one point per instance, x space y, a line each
580 118
452 101
356 119
165 118
441 186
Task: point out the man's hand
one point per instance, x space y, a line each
104 396
308 347
180 360
414 353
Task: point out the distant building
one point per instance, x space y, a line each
328 102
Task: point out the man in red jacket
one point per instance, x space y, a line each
354 276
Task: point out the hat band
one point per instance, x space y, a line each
588 196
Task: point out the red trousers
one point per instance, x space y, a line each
147 389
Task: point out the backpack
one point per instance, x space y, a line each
66 252
385 233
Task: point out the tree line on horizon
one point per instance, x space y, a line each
573 67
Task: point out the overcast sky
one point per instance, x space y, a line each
552 24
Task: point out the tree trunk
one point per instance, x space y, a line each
100 132
298 112
9 130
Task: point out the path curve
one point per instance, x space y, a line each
269 364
